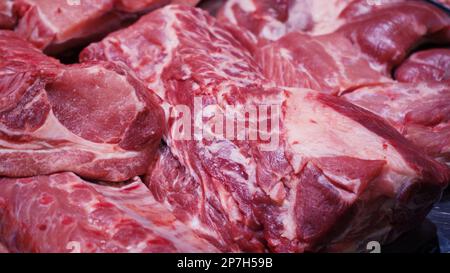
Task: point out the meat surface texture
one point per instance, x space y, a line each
7 16
63 213
420 111
212 6
428 65
320 188
360 58
363 52
269 20
170 182
96 120
275 126
58 25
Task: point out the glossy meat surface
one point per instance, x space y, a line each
95 119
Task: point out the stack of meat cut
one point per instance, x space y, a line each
91 158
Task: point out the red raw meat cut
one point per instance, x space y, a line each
146 5
169 181
420 111
7 16
97 119
443 2
363 54
216 59
212 6
272 19
428 65
360 53
63 213
58 25
322 187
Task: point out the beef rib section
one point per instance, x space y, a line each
323 188
97 119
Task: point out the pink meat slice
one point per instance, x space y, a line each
54 26
346 176
95 119
212 6
269 20
7 16
360 53
3 248
420 111
171 183
428 65
146 5
331 64
58 25
151 47
63 213
319 187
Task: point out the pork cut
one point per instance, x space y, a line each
360 53
321 187
331 64
170 182
269 20
217 61
147 5
212 6
58 25
3 248
428 65
96 120
63 213
420 111
7 16
362 56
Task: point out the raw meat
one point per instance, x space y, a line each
212 6
63 213
7 16
428 65
420 111
58 25
95 119
272 19
446 3
352 59
320 188
219 59
330 64
146 5
360 53
3 248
